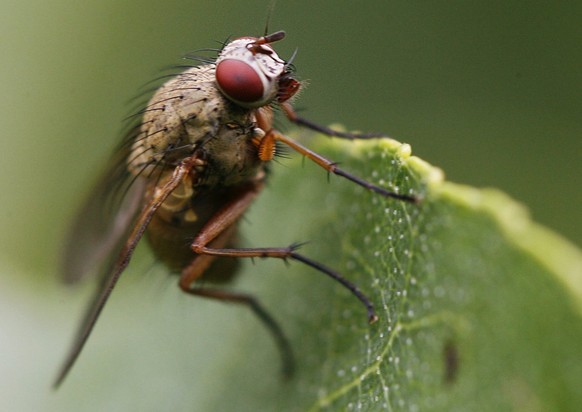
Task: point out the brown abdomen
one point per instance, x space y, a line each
170 235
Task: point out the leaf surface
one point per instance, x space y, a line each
479 307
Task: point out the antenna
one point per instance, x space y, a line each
269 14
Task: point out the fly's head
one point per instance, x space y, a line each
251 74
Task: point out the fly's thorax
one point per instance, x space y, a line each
232 155
185 112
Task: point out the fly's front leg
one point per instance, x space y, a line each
266 148
332 167
292 115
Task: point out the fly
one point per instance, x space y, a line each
190 169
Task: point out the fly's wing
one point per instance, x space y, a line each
97 238
104 222
126 241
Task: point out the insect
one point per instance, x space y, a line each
186 174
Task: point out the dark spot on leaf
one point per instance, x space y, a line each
451 362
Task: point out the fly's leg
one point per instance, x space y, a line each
200 265
300 121
267 144
289 253
141 223
333 168
264 316
229 215
209 244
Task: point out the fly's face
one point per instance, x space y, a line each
251 74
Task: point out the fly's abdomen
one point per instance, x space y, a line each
180 218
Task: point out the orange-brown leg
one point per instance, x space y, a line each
267 144
333 168
209 243
229 215
199 266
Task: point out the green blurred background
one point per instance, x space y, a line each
491 92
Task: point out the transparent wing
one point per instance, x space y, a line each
104 222
126 240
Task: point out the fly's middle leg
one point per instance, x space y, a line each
223 227
230 214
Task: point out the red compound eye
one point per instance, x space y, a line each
239 81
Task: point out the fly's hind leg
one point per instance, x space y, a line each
210 243
288 363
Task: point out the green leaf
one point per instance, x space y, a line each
479 307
